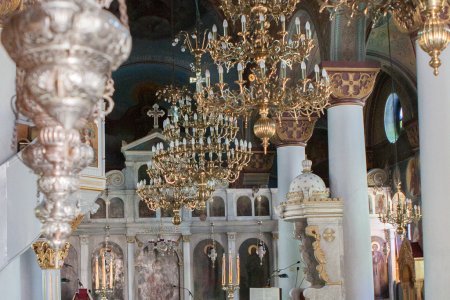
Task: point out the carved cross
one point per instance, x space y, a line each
155 113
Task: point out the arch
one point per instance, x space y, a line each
69 275
244 206
144 211
142 173
217 207
253 273
262 206
116 208
155 273
119 267
207 279
101 211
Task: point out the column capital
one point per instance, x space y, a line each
275 235
351 82
48 258
231 235
292 131
186 238
84 239
131 239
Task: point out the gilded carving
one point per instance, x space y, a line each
76 222
48 258
293 131
275 236
131 239
7 7
186 238
328 234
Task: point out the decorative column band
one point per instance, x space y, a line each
351 82
293 131
48 258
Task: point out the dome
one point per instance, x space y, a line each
308 183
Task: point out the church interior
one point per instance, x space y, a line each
224 149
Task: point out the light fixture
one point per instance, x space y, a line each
399 212
104 265
60 81
163 246
260 247
268 89
426 16
212 251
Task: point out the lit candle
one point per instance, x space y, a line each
214 32
261 20
220 70
103 272
308 30
207 78
297 25
225 27
283 23
283 69
243 23
230 270
238 270
111 273
224 272
303 67
317 71
240 71
97 285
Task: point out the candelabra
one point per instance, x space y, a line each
400 212
62 75
233 282
106 259
268 88
429 17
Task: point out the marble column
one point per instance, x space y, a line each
50 262
131 240
187 282
434 129
290 139
352 83
84 261
274 281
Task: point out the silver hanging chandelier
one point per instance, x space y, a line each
65 51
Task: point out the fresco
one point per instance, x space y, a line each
156 274
380 269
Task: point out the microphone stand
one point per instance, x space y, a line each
181 287
275 272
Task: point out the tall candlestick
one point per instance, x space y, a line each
103 271
97 284
238 270
224 272
111 273
230 270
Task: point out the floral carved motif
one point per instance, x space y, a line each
49 258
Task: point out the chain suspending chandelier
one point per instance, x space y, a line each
212 251
62 75
202 151
268 89
260 246
399 212
429 17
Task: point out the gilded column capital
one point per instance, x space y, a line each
351 82
131 239
292 131
48 258
186 238
275 236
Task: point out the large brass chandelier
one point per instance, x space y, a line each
429 17
268 56
201 152
63 74
399 211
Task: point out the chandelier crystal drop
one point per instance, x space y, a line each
60 87
429 17
269 57
399 212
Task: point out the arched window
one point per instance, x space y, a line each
101 211
393 117
116 208
142 174
244 206
262 207
145 212
217 207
